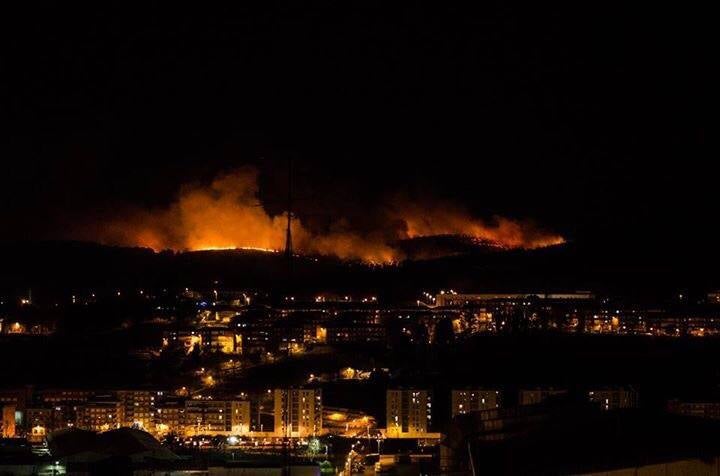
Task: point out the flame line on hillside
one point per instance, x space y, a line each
225 215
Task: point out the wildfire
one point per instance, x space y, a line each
226 215
449 220
229 248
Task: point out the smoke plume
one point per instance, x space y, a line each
227 214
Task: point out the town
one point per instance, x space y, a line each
319 382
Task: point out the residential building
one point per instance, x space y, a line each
408 413
99 415
137 408
538 395
614 398
464 401
298 412
206 416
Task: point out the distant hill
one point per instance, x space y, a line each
67 265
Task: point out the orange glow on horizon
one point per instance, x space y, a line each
230 248
225 215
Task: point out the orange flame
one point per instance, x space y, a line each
226 215
450 220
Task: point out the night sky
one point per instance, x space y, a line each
589 119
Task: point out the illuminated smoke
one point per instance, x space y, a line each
227 214
448 219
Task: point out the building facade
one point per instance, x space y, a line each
298 412
538 395
100 415
614 398
408 413
206 416
472 400
137 409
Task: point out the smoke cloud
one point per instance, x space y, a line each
227 214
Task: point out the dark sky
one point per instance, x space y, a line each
591 119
